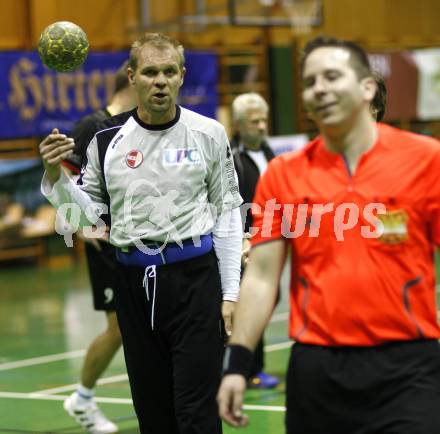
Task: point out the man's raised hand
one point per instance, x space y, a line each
53 149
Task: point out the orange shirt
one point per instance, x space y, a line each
358 277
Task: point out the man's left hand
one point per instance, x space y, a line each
227 313
230 400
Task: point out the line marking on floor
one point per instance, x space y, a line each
277 347
264 407
40 360
71 387
41 396
279 317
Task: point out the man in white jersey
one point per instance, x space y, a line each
167 176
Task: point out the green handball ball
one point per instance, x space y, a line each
63 46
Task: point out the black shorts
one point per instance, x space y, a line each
105 276
173 340
389 389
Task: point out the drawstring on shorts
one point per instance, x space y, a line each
150 272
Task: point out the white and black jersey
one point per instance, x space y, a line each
165 182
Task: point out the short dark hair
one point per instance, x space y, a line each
121 78
379 102
358 57
157 40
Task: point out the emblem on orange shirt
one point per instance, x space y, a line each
395 226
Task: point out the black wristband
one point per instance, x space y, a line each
237 360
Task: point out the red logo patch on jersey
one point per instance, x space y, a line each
134 159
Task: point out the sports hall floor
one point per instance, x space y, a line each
46 322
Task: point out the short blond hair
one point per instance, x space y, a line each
157 40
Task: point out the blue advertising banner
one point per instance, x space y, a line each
199 90
35 99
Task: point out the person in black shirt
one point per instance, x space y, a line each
378 105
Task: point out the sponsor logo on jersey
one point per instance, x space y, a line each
230 173
134 159
186 156
115 142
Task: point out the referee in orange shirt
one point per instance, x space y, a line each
360 209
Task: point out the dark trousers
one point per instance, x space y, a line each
389 389
173 340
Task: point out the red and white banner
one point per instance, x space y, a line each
413 83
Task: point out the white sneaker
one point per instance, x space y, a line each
89 416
